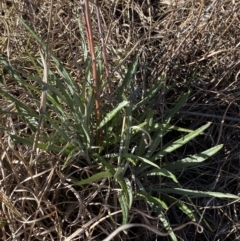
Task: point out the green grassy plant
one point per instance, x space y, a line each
131 153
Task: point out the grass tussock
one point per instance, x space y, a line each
119 118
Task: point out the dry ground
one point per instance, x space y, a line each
194 44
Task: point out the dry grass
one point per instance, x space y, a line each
194 44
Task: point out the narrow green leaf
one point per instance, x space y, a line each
114 174
167 226
193 160
177 106
93 178
127 79
148 122
155 143
161 172
124 207
141 159
157 205
182 206
180 142
40 145
111 114
152 200
123 184
71 85
5 62
30 31
185 209
165 127
20 106
151 93
69 155
127 131
130 192
196 194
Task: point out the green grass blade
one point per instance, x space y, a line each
193 160
111 114
130 192
117 176
147 124
196 194
177 106
40 145
151 94
167 127
157 205
124 207
135 157
62 71
93 178
180 142
153 201
166 225
162 172
23 109
127 79
182 206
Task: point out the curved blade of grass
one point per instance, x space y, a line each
180 142
155 143
161 172
5 62
116 175
162 126
69 148
185 209
125 136
62 71
93 178
157 205
177 106
141 147
182 206
141 159
124 185
81 31
127 130
145 135
124 207
40 145
193 160
150 94
162 130
20 106
153 201
166 225
197 194
130 192
127 79
111 114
